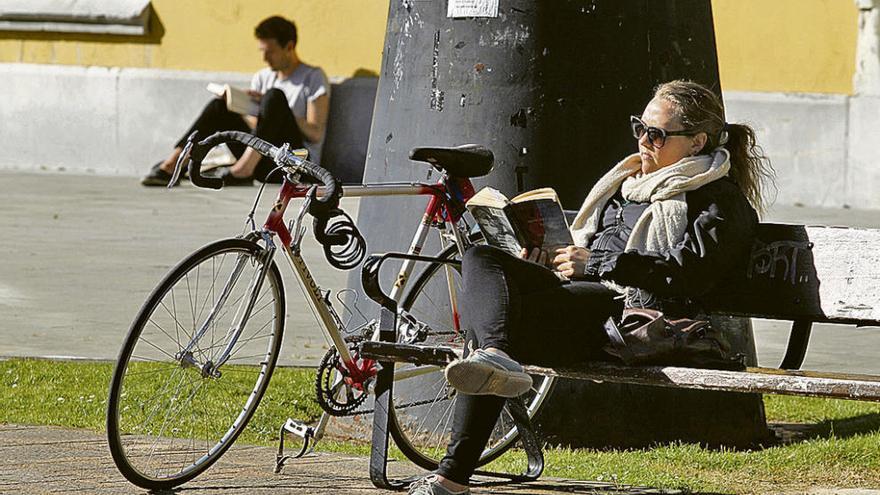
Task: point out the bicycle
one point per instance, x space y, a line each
209 334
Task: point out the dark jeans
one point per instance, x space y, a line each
525 310
274 124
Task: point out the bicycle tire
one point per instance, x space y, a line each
421 432
167 421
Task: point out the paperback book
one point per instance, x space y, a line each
533 219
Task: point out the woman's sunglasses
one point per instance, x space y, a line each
656 136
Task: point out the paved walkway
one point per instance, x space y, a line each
82 252
54 460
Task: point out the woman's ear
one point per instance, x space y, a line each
699 143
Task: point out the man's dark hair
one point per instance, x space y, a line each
276 28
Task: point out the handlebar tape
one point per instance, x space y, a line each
319 207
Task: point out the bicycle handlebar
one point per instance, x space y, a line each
342 233
198 150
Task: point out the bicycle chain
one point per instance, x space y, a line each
396 406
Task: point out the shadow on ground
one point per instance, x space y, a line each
789 433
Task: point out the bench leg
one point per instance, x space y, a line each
530 441
797 345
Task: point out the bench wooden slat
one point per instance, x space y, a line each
752 380
823 274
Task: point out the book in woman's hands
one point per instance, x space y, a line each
237 99
534 219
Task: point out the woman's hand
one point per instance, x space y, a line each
570 261
536 255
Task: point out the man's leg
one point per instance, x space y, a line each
214 117
276 125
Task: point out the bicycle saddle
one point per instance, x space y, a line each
467 160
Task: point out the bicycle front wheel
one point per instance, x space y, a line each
195 364
424 402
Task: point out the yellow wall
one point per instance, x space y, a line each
763 45
217 35
786 45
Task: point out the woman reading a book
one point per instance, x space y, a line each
660 229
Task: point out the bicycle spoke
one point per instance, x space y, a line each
173 316
250 356
427 414
254 336
150 372
441 438
161 329
192 308
157 403
157 348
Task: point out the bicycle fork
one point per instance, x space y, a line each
212 369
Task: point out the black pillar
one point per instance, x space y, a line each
547 85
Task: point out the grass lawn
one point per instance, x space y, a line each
836 445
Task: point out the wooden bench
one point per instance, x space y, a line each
802 274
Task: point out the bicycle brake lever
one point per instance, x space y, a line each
184 157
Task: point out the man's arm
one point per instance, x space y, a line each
315 123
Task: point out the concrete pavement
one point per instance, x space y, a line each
56 460
81 253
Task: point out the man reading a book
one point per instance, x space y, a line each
293 102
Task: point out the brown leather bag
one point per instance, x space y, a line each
646 336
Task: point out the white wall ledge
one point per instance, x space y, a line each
124 119
119 17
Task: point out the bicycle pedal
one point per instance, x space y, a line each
298 429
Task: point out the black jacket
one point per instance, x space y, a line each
721 229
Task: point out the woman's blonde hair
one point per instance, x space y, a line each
699 109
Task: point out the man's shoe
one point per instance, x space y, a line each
485 373
158 177
230 180
430 485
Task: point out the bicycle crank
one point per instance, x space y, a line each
341 387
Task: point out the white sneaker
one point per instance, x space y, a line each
485 373
430 485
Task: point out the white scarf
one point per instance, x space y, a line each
664 223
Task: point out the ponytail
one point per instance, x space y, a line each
701 110
749 166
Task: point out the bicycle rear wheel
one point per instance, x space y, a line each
424 402
170 415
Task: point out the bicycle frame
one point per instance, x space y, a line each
445 207
444 210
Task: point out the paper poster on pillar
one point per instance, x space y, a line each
472 8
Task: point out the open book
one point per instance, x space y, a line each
237 99
534 219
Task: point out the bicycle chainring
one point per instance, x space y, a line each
337 392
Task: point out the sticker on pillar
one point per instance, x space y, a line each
472 8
